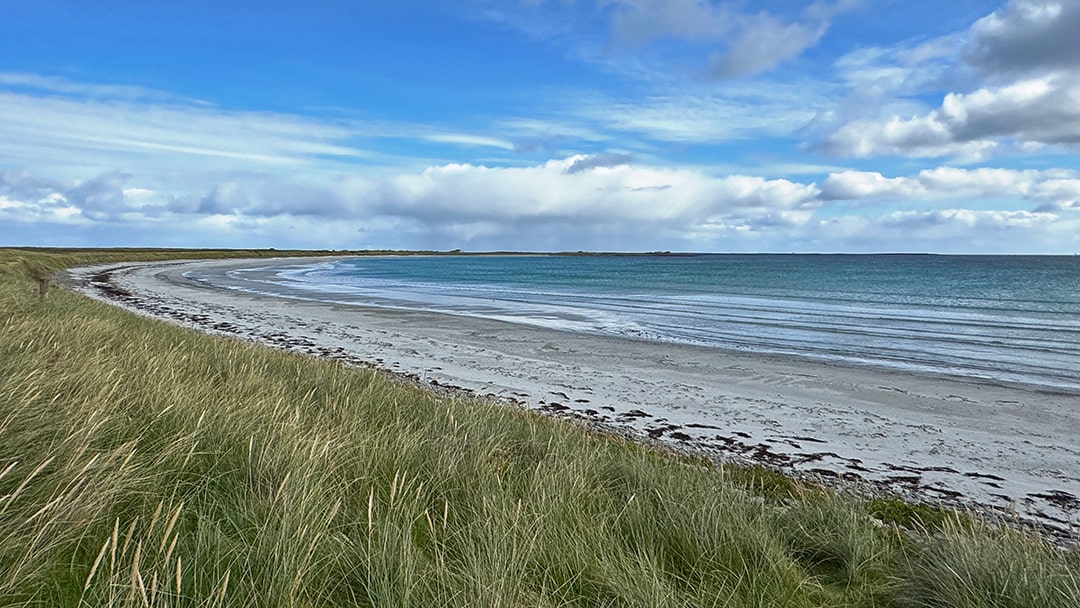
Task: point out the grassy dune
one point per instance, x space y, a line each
142 464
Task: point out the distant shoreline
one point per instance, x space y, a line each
293 254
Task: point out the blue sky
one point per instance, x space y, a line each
546 125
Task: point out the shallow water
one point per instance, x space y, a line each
1007 318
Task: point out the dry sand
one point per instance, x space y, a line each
1010 449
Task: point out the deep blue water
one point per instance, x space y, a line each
1013 318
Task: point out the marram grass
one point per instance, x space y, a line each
142 464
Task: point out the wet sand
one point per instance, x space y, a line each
1007 449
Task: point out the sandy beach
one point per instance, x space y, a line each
1011 449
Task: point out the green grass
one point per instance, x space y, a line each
142 464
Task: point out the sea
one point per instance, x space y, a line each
1012 319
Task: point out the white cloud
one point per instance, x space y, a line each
464 139
762 44
53 209
55 84
613 159
1039 111
950 231
706 115
639 22
619 194
737 40
1027 36
979 183
917 137
886 77
1014 77
64 131
951 182
945 222
743 43
859 185
72 130
1061 194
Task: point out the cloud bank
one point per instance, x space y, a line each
602 202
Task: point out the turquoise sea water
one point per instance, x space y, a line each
1008 318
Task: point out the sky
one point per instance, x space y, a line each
543 125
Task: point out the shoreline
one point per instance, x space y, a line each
999 448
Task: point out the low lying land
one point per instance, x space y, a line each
142 463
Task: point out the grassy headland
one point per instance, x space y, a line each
142 464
